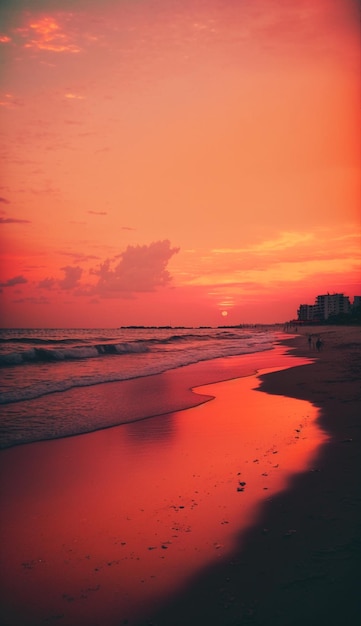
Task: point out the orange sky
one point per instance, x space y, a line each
167 160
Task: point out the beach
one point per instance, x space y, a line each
142 524
301 563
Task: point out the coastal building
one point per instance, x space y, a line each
331 304
326 306
305 313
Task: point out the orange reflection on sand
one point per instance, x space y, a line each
101 526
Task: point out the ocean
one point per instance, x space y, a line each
40 369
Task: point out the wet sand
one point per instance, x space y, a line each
185 518
300 563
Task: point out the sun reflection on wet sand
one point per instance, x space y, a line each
100 527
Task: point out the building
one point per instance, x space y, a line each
329 305
356 302
305 313
326 306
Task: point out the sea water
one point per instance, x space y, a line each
38 367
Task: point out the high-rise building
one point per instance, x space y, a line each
331 304
356 302
305 312
326 305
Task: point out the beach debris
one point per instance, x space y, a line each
242 483
152 547
176 507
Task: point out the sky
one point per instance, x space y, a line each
177 162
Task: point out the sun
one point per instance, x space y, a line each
224 313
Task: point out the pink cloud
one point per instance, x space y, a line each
71 278
16 280
13 220
47 283
79 257
47 34
141 269
32 300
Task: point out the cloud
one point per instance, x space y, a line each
8 101
32 300
47 34
13 220
5 200
284 241
98 212
140 269
71 278
137 269
47 283
73 96
79 257
16 280
294 254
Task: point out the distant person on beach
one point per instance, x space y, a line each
319 344
309 341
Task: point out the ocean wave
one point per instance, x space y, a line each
36 340
135 369
55 350
41 355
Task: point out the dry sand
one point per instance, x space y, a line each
301 564
298 564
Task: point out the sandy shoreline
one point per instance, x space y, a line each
313 574
297 564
